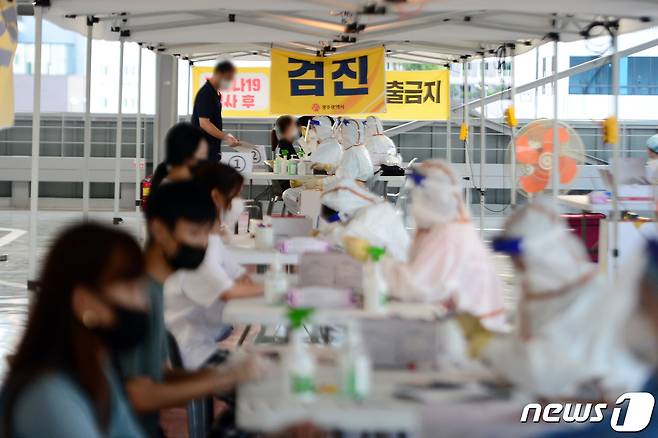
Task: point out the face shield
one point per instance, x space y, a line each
373 126
553 258
435 195
350 133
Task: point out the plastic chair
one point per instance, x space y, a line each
199 412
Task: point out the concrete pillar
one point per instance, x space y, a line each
166 102
20 194
126 201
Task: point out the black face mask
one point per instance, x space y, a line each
187 257
129 328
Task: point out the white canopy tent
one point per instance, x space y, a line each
430 31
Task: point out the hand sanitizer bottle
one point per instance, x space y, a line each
276 282
355 367
375 288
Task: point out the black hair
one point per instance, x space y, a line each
224 67
181 200
54 340
211 176
181 143
281 125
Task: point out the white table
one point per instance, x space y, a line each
266 177
582 203
469 409
257 311
244 251
264 406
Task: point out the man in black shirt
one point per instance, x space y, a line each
207 113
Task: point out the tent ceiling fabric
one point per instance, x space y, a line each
433 30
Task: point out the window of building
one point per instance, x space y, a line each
638 75
56 59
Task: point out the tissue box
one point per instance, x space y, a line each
300 245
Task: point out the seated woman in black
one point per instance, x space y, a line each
284 135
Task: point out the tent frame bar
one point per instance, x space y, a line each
581 68
87 122
116 219
36 153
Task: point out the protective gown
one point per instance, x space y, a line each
364 215
380 147
568 338
448 263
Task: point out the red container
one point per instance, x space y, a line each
145 191
586 226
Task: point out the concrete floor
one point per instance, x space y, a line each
14 242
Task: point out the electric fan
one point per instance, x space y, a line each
534 156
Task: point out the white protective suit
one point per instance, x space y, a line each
355 163
567 342
321 139
448 263
381 148
328 150
365 216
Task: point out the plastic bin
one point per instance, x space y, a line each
586 226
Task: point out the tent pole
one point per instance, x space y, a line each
467 142
555 168
36 141
513 128
449 125
615 157
189 87
117 157
87 124
138 146
483 143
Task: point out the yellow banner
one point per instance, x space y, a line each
410 95
8 42
417 95
346 83
248 96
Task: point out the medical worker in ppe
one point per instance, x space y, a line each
327 149
568 341
381 148
355 162
652 162
351 211
447 264
639 280
325 155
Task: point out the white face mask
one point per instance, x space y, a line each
231 216
224 84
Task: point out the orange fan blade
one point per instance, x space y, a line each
562 137
535 182
568 169
524 153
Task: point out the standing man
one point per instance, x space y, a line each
207 113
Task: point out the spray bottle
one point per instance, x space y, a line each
284 163
276 281
299 364
355 367
375 288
